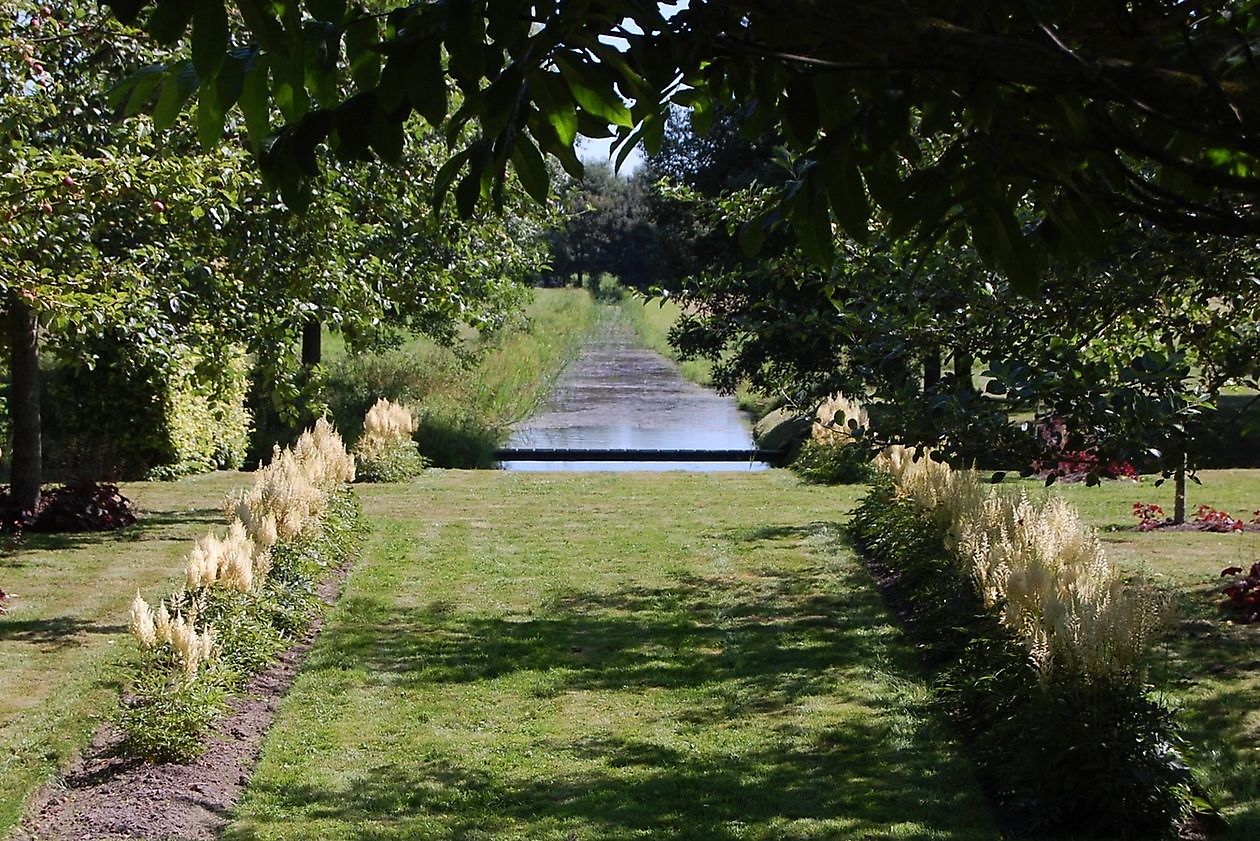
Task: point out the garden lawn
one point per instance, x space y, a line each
1209 667
610 656
65 637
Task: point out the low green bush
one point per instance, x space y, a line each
457 437
397 461
165 719
140 414
1086 758
826 463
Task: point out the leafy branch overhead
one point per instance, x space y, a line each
1031 127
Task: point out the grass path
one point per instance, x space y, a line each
609 656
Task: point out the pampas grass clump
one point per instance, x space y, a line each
228 578
386 451
1037 564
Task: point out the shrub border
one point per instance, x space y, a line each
1096 760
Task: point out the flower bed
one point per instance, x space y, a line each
1036 644
246 596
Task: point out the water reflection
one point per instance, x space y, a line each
618 395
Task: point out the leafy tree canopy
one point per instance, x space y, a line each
1031 126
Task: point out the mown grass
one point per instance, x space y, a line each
610 656
1208 667
64 641
652 320
466 397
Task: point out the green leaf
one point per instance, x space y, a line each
999 241
136 90
471 189
289 79
426 82
126 10
179 84
501 101
209 38
811 221
603 103
467 193
210 114
333 11
365 62
846 191
550 93
169 20
231 79
531 169
446 176
800 111
701 116
751 236
254 102
390 88
387 137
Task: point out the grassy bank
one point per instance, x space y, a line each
609 656
1209 666
652 320
64 640
465 398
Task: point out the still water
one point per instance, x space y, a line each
618 395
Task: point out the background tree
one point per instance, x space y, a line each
607 229
90 241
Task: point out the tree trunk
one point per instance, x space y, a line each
931 369
963 363
1179 493
26 461
311 336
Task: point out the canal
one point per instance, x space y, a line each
619 395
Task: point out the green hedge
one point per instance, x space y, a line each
130 417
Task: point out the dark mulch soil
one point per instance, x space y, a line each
1192 526
107 796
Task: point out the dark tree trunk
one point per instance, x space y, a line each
26 461
931 369
311 336
963 363
1179 493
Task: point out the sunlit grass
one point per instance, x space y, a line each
610 656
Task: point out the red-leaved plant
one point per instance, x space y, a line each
1150 516
1208 518
1242 595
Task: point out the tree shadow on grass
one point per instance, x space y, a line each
1218 665
54 633
827 789
780 635
152 525
745 651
